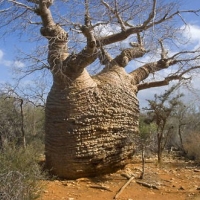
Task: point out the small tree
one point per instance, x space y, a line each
19 120
10 121
160 110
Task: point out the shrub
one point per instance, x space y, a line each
192 146
19 173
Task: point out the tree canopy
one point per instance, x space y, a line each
101 33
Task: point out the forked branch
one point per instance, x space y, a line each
148 23
116 13
129 54
104 57
163 50
122 60
77 62
151 14
164 82
144 71
167 80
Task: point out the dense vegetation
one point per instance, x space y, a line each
21 148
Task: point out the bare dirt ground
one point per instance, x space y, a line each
174 180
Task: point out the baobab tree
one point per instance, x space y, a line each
91 118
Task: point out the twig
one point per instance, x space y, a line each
126 175
101 187
21 5
121 190
147 185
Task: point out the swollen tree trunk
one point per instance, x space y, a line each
89 124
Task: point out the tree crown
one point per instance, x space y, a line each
109 32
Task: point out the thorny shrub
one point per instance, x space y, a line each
19 173
192 146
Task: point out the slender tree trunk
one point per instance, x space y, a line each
1 143
159 152
180 137
143 163
23 137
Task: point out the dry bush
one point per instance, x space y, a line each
192 146
19 173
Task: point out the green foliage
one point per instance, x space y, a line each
19 173
144 140
146 129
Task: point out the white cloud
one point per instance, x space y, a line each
9 63
1 55
192 34
18 64
105 30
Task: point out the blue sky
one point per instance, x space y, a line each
10 45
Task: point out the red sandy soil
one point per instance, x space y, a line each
174 180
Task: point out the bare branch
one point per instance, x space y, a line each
88 33
166 17
157 83
87 16
21 5
186 52
87 28
129 54
125 57
188 70
137 29
78 62
168 79
151 15
144 71
36 23
5 10
182 18
45 14
121 22
140 41
163 51
104 57
116 13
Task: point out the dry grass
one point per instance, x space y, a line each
192 146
